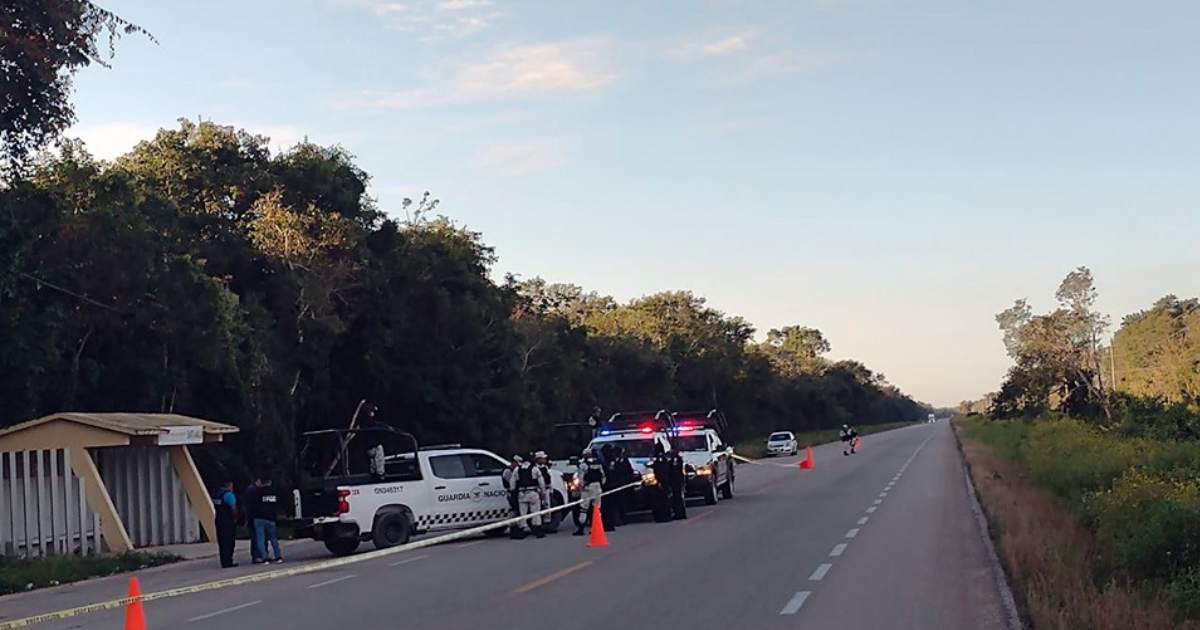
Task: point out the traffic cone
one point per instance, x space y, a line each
807 462
858 444
598 538
135 618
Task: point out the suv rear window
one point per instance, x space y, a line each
690 442
633 448
779 437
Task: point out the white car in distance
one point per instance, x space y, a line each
782 443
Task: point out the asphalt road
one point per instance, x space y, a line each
881 539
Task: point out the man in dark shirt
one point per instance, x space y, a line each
264 524
249 504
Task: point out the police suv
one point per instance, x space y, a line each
380 486
707 460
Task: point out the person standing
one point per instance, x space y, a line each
625 475
527 482
660 494
591 475
848 435
265 516
507 478
226 508
677 482
608 457
542 461
249 505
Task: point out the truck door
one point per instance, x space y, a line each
453 498
493 503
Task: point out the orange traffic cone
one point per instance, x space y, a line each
858 444
807 462
135 618
597 539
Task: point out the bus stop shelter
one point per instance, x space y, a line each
92 482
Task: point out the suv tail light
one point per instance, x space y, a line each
343 504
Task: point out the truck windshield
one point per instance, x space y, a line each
690 443
633 448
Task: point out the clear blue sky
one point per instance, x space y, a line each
893 173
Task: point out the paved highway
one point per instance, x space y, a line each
883 539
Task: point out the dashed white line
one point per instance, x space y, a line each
407 560
838 550
333 581
882 494
871 509
819 574
224 610
878 501
794 604
863 520
852 533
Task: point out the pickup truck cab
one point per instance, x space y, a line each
419 490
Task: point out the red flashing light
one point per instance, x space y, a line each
647 429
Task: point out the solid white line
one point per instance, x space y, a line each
852 533
333 581
407 560
819 574
871 509
863 520
838 550
794 604
225 610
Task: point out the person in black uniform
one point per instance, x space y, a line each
659 493
677 482
226 507
625 476
246 515
608 506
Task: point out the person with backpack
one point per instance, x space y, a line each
529 485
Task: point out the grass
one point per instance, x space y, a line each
26 574
757 448
1066 570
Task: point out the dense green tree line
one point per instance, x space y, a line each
200 274
1145 381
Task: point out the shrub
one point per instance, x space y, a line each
1183 594
1149 526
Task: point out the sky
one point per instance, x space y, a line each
891 172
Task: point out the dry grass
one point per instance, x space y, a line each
1048 556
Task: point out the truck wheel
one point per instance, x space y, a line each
710 496
341 546
391 529
727 489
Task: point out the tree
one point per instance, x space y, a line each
796 350
42 44
1157 351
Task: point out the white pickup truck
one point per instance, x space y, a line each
418 490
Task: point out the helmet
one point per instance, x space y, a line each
541 455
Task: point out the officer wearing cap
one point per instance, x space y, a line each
542 461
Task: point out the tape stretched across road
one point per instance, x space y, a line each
747 460
291 571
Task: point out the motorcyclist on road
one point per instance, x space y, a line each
848 436
527 481
591 474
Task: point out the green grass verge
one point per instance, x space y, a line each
26 574
756 448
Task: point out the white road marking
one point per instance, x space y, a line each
470 544
224 610
863 520
871 509
407 560
878 501
333 581
794 604
852 533
882 494
838 550
819 574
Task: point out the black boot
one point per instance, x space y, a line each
538 532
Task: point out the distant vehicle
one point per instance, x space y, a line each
418 490
932 418
782 443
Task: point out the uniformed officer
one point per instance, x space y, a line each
506 477
226 507
659 492
677 482
608 457
542 461
591 472
625 474
528 483
848 434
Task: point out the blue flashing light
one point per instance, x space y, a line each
605 432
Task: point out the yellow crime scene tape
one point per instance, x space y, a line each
291 571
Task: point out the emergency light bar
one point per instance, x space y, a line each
636 421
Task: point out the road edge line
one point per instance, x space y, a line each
1012 615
